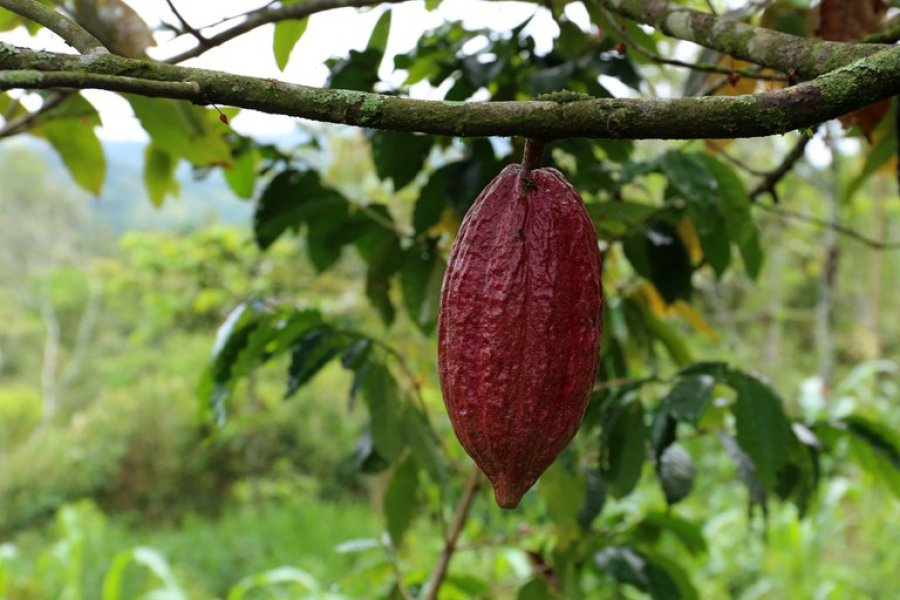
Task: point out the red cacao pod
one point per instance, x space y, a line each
519 328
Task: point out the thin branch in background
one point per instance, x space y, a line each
28 120
825 224
712 8
186 27
767 185
271 14
721 152
459 521
752 73
70 31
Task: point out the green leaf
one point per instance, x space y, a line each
594 499
159 174
422 441
688 533
399 156
676 472
291 199
562 492
623 448
359 71
877 449
535 589
183 130
79 148
431 203
267 579
734 205
689 175
421 278
241 174
385 410
310 353
763 430
400 499
287 34
635 568
659 255
688 398
381 250
380 33
746 471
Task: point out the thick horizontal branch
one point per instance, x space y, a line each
71 32
774 112
266 15
805 57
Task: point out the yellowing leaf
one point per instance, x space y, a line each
655 302
695 320
691 240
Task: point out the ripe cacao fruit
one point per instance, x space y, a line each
519 326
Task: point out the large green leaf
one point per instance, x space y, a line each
734 205
623 447
399 156
689 397
183 130
69 128
287 34
647 574
385 410
694 182
291 199
877 448
658 254
159 174
241 175
562 492
310 353
400 499
420 279
763 430
676 472
378 40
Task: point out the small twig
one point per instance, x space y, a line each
20 124
768 184
270 14
70 31
738 163
186 27
459 521
837 227
752 73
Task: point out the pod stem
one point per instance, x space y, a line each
533 157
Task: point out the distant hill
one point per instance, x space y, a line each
124 205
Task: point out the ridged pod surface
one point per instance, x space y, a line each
519 329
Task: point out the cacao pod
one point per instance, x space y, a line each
519 326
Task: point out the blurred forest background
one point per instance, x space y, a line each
115 484
109 309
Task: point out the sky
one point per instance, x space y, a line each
329 34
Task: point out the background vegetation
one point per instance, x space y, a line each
740 441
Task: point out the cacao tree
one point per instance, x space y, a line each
670 217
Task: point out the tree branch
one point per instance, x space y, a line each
832 225
266 15
24 122
806 57
773 112
771 179
70 31
459 521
